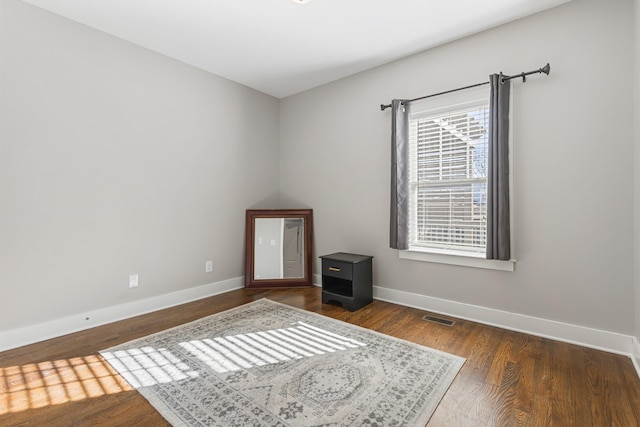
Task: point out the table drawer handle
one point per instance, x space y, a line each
334 269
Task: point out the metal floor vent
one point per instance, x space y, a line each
440 320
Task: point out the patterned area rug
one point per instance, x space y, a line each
269 364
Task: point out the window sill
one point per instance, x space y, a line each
457 258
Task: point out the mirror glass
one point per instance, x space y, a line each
278 245
278 248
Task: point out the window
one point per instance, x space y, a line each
448 178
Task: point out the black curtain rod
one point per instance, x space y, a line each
546 69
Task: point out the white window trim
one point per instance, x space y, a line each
462 258
459 258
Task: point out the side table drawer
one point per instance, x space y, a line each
342 270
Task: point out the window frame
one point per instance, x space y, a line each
452 102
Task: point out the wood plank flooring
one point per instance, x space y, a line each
509 378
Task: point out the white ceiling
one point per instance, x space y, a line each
282 48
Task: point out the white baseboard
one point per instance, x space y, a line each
587 337
635 356
55 328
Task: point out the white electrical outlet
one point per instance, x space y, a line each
208 266
133 280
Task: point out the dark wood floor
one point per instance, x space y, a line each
509 378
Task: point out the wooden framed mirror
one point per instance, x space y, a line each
278 248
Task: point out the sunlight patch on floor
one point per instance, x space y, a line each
39 385
243 351
147 366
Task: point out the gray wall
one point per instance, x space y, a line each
636 121
573 171
116 160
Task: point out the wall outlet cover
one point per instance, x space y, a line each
133 280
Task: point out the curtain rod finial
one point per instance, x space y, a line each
546 69
384 107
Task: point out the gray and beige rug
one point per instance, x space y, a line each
269 364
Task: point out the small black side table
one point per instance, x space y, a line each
346 279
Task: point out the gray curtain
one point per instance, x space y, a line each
399 233
498 217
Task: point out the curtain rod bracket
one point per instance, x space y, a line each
546 70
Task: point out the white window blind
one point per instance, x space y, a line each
448 178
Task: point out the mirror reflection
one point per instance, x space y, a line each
278 248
